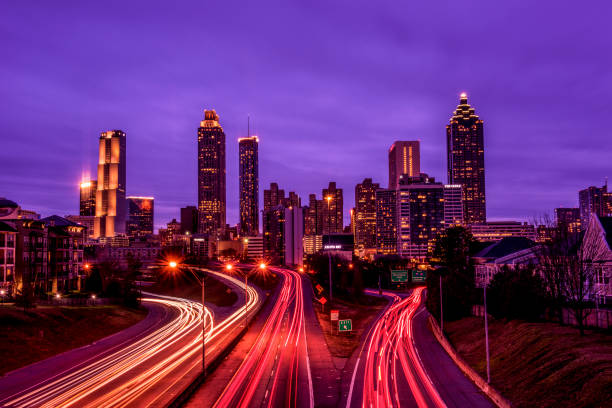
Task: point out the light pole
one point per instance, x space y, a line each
329 198
487 334
441 308
261 266
174 265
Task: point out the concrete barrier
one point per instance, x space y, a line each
480 382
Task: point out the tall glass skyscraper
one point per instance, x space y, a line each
140 216
211 175
404 159
111 207
87 201
465 149
249 185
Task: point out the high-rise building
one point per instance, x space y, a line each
386 222
592 200
404 158
364 216
249 185
111 206
140 216
87 201
211 175
273 197
189 220
333 209
465 149
568 219
420 215
497 230
313 216
453 205
293 200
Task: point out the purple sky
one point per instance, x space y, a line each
330 85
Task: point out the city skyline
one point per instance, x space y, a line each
523 180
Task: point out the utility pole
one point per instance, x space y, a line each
441 308
487 334
203 331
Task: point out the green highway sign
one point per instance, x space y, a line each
419 276
399 276
345 325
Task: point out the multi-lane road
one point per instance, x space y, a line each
144 366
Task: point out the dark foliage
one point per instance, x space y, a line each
516 294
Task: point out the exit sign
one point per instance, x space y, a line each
419 276
345 325
399 276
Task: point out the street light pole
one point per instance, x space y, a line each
203 331
487 334
329 198
441 308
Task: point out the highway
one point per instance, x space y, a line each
275 368
145 365
390 370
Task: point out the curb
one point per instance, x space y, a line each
486 388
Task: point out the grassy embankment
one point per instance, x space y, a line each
539 364
45 331
362 313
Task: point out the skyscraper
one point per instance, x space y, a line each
111 207
386 222
465 149
249 185
87 202
189 220
211 175
140 216
273 197
453 205
333 211
404 158
568 219
364 216
313 216
592 200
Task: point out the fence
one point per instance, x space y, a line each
78 301
595 318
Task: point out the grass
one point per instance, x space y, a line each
43 332
362 313
187 287
539 364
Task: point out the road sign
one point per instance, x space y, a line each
419 276
319 288
322 300
335 314
345 325
399 276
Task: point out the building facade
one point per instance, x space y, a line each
8 251
364 215
249 185
273 197
65 245
568 219
497 230
189 220
140 216
313 216
404 158
465 158
593 200
211 175
333 209
453 205
87 198
386 222
111 206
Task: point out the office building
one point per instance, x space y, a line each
211 175
87 201
341 245
453 205
86 221
465 149
249 185
254 248
273 197
592 200
313 216
8 251
386 222
65 245
420 215
364 215
140 216
333 212
497 230
404 158
283 233
568 219
312 244
189 220
111 206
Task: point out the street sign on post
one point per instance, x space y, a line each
419 276
319 288
335 315
345 325
399 276
323 301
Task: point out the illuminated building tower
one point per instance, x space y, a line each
111 207
404 158
386 222
211 175
364 216
332 209
273 197
313 216
293 200
568 219
420 215
592 200
87 202
249 185
453 205
140 216
465 149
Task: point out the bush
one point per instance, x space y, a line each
516 294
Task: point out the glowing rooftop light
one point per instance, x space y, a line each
86 184
463 95
172 264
